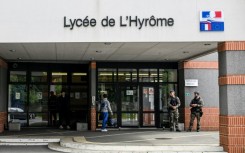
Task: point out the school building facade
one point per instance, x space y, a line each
134 51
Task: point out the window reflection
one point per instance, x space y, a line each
17 97
130 119
59 77
107 75
129 99
164 90
127 75
17 76
38 76
148 75
79 77
167 75
110 90
38 98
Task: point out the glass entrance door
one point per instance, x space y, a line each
137 106
129 105
147 103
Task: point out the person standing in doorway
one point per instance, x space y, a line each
105 107
196 110
52 108
64 111
173 105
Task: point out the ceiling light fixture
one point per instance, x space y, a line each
107 43
98 51
207 44
12 50
19 58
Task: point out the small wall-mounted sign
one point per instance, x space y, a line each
129 92
191 82
211 21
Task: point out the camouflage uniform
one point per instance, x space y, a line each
196 112
173 113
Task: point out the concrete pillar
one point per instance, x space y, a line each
92 93
232 96
206 72
3 94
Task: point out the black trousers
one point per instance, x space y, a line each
64 118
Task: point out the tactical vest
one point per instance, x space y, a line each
196 109
173 101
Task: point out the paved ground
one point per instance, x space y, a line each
124 136
26 149
113 136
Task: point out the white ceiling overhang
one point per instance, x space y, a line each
116 51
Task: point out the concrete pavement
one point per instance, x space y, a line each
123 137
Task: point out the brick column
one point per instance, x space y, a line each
3 94
232 97
206 72
3 117
92 93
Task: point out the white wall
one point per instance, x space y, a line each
42 20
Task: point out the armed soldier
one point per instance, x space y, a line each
173 104
196 110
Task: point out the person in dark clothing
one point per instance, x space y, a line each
173 104
52 108
64 111
196 110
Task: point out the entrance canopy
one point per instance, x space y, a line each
83 52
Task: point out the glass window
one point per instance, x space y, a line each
17 98
38 119
167 75
79 77
148 75
78 97
129 99
59 77
17 116
112 122
110 90
17 76
38 76
148 99
38 98
149 119
164 119
130 119
164 95
107 75
127 75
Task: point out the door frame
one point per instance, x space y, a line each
140 104
156 103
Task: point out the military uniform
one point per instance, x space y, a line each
173 113
196 112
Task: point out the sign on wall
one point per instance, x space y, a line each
191 82
211 21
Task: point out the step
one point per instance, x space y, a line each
70 142
57 147
27 141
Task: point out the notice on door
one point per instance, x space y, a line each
151 91
17 95
129 92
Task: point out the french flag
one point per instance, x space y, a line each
212 14
207 26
